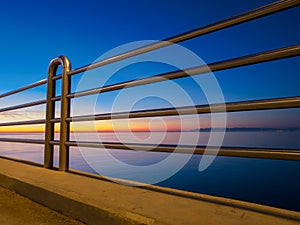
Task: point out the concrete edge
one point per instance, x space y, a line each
72 208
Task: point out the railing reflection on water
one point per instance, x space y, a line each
65 119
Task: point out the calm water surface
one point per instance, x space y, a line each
270 182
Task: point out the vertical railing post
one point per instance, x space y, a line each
65 113
50 114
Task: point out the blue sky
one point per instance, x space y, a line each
34 32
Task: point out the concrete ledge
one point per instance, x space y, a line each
95 201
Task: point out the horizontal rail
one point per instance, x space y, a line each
55 142
20 140
265 104
199 150
236 20
19 123
30 104
266 56
56 98
57 120
229 22
33 85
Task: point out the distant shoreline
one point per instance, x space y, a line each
245 129
233 129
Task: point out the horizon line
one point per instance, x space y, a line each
190 130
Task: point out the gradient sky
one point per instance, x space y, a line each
34 32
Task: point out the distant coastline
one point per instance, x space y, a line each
230 129
245 129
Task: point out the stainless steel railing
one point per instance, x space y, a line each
66 76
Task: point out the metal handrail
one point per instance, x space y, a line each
30 86
26 105
65 118
18 123
213 67
266 153
56 98
23 140
252 105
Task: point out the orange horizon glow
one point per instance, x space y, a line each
137 125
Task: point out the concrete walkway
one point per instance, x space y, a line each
17 210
